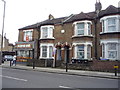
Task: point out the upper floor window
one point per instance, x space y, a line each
110 24
28 35
47 31
82 28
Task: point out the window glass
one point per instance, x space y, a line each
112 50
88 51
103 26
50 51
45 32
44 51
80 51
103 50
111 24
27 35
80 28
89 29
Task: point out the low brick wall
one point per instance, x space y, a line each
40 63
107 66
96 65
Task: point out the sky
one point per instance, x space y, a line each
20 13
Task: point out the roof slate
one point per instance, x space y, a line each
110 10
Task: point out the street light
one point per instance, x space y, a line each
2 30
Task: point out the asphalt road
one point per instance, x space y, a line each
15 78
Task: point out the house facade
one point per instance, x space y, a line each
6 45
76 38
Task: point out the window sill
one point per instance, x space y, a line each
109 33
77 36
46 58
47 38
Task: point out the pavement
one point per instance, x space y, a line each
63 71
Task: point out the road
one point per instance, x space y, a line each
15 78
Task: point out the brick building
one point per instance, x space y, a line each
75 38
6 45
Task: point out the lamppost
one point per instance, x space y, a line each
2 30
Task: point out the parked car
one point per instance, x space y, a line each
8 58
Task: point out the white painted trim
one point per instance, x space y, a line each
85 48
83 21
82 43
85 27
106 42
48 45
117 17
28 30
49 36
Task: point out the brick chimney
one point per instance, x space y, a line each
51 17
98 7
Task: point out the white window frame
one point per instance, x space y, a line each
87 29
49 32
110 50
106 42
29 36
105 24
85 50
48 45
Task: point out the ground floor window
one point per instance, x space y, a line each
82 51
110 51
46 51
23 53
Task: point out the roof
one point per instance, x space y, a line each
82 16
110 10
46 22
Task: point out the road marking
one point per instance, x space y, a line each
14 78
63 86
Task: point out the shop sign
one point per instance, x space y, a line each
24 46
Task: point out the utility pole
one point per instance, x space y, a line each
2 31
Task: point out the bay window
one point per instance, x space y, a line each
82 28
46 51
82 51
110 50
47 31
110 24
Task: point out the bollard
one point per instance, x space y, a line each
115 68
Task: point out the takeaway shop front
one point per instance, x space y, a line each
24 51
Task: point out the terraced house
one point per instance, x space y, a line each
77 38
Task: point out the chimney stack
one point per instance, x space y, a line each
98 7
51 17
